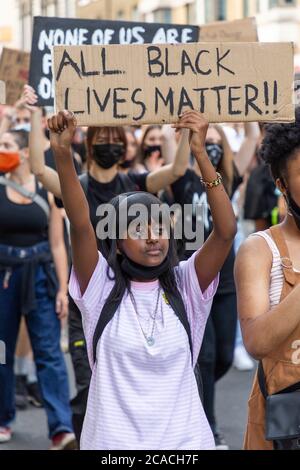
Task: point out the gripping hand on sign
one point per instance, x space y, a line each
198 125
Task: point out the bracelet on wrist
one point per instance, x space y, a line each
212 184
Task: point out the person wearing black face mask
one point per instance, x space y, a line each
216 355
267 276
107 155
151 148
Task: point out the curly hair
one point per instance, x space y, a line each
281 143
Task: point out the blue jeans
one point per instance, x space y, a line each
44 331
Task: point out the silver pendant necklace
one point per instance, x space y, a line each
149 338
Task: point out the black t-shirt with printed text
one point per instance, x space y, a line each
189 190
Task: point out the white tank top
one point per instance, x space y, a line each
276 277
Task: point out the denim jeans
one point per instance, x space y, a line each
216 355
44 330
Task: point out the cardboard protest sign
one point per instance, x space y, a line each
2 93
244 30
14 68
50 31
117 85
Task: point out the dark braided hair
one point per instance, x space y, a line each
281 143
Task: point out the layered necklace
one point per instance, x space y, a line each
148 337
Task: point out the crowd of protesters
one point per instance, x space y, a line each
152 325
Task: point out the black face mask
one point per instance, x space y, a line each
215 153
293 208
144 273
107 155
126 164
149 149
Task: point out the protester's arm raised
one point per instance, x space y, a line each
264 328
168 174
46 175
83 238
59 252
245 154
214 252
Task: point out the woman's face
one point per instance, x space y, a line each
107 135
293 177
8 143
146 245
154 137
132 146
213 136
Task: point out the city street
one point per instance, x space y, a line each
30 430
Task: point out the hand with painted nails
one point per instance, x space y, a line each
198 125
62 128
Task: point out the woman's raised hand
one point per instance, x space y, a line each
62 128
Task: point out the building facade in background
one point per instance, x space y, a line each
278 20
27 9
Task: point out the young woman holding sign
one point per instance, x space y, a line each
105 150
143 392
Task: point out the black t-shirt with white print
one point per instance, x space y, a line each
189 190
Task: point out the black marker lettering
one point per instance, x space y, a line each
67 98
167 64
231 99
66 60
186 62
249 101
102 106
139 103
105 71
219 65
217 89
202 98
116 101
184 101
154 61
83 70
169 100
199 70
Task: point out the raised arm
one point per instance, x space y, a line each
83 239
46 175
211 257
226 165
168 174
245 154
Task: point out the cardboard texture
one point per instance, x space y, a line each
244 30
2 93
14 70
50 31
143 84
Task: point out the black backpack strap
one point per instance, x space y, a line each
177 305
106 315
263 386
262 380
84 181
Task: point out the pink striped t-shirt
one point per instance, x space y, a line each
144 397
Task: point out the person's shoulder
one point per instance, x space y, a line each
255 248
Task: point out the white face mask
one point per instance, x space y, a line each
26 126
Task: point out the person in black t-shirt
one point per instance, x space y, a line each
217 350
